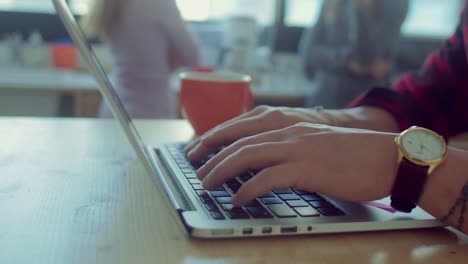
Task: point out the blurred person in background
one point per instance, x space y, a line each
148 40
351 48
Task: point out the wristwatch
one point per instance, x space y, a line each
420 151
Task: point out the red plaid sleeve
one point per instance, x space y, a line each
436 97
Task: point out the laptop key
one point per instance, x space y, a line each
237 213
297 203
232 181
190 175
220 194
223 200
288 196
272 200
306 211
200 192
320 204
226 206
330 211
282 210
217 215
221 188
234 186
282 191
187 170
174 152
185 166
312 197
194 181
258 212
196 165
180 146
180 161
211 207
198 187
205 198
245 176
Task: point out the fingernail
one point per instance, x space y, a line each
201 172
235 200
189 146
192 155
186 149
206 185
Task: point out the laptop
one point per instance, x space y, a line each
209 214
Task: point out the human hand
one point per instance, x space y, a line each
258 120
348 164
380 69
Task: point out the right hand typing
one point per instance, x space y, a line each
260 119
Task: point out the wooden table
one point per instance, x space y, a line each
71 191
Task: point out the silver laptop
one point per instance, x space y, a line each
210 214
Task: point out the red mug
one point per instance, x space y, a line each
210 99
64 56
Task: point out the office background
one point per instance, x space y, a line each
280 24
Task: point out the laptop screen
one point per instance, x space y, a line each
111 97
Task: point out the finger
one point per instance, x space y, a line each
224 136
191 145
268 179
271 136
256 111
252 157
197 141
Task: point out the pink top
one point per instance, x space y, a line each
151 35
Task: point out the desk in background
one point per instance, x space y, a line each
32 92
71 191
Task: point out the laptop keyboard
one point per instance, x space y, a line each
281 203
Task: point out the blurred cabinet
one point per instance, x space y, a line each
25 92
86 104
28 103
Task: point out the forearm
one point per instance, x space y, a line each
446 192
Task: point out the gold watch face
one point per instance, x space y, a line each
422 144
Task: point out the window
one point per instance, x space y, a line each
42 6
201 10
425 18
204 10
302 13
79 7
432 18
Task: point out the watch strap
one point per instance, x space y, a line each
408 186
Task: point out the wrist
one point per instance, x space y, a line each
366 117
444 185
